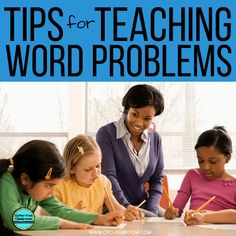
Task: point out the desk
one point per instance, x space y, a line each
140 228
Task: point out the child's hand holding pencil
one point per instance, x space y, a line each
111 218
193 218
171 212
117 219
196 216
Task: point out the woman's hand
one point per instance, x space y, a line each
133 213
111 218
171 212
66 224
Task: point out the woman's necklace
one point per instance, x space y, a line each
137 144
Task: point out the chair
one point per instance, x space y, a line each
164 202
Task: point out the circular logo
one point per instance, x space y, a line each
23 218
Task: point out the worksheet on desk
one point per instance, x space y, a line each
120 226
164 220
219 226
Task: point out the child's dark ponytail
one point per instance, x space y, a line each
216 137
39 159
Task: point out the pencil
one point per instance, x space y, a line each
141 203
166 193
113 209
201 207
205 204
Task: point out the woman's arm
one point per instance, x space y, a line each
130 213
155 187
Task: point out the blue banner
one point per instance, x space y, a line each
78 40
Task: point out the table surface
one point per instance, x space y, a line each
146 228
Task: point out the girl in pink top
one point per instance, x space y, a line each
213 148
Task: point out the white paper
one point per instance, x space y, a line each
120 226
164 220
219 226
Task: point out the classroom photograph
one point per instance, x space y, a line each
117 158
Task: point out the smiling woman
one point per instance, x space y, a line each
186 115
139 119
132 153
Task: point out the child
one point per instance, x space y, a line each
37 168
214 217
85 188
214 148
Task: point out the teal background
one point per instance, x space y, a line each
23 218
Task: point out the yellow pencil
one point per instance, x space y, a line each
166 193
201 207
113 209
205 204
141 203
